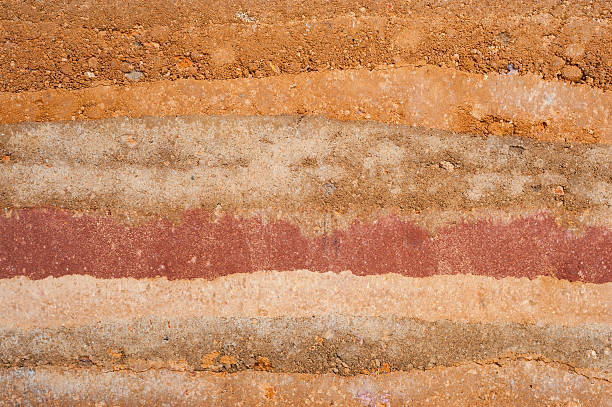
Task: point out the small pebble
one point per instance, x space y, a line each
134 75
447 166
93 63
557 63
571 73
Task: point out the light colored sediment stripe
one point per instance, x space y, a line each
295 164
72 301
427 96
303 322
507 383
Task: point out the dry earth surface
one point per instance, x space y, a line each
381 203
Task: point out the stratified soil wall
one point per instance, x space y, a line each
383 203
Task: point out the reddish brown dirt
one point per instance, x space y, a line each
81 45
39 243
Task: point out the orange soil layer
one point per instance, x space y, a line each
431 97
79 45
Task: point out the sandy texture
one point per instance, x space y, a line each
442 169
329 343
193 197
82 300
507 383
428 96
303 322
85 44
291 164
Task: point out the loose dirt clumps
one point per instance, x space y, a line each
73 47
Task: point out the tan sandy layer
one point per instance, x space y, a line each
313 167
82 300
507 383
303 322
61 44
342 344
428 96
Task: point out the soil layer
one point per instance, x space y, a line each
81 45
329 343
502 382
80 300
431 97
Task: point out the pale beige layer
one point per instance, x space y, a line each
502 383
427 96
82 300
324 172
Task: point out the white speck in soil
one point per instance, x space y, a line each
134 75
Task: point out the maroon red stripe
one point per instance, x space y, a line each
47 242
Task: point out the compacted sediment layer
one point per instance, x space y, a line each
427 96
41 243
315 344
472 299
153 165
293 334
303 322
383 203
504 382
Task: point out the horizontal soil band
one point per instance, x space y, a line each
295 164
329 343
42 243
431 97
505 382
74 46
83 300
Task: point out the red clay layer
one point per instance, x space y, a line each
46 242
